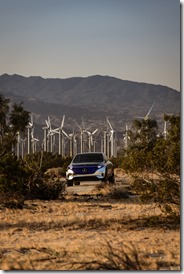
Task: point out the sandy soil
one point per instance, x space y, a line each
87 232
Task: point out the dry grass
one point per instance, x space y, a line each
88 232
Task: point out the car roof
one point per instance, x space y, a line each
90 153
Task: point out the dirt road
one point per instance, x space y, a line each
86 229
88 187
83 188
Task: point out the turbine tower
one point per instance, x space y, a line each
105 142
72 144
111 140
61 133
22 147
60 130
164 133
50 136
82 129
18 144
126 137
45 133
34 141
29 129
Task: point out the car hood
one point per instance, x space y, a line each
87 164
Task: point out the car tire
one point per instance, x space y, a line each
69 183
111 179
104 180
77 183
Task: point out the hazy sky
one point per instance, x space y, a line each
136 40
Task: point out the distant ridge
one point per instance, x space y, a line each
95 98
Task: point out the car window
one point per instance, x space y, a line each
81 158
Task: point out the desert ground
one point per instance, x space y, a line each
88 229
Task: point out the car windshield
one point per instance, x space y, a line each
82 158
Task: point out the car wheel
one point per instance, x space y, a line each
104 180
111 179
77 183
69 183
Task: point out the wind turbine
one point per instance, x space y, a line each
18 144
45 136
34 144
63 141
72 144
82 129
94 140
164 133
22 147
61 133
146 117
29 127
61 138
59 130
33 141
126 137
50 135
111 140
105 142
90 138
166 119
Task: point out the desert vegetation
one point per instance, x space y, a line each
89 232
132 225
154 162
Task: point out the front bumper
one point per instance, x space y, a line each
72 175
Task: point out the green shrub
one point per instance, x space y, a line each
46 189
151 156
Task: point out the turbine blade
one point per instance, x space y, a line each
32 120
63 120
47 123
109 124
65 134
150 110
94 131
77 125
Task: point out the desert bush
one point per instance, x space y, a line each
165 192
12 174
55 172
12 199
116 161
46 189
119 193
125 257
11 122
152 154
43 185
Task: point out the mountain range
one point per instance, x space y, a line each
94 98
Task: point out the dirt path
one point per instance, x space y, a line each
84 228
83 188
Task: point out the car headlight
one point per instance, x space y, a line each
99 166
70 176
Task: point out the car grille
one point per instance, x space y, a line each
85 169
